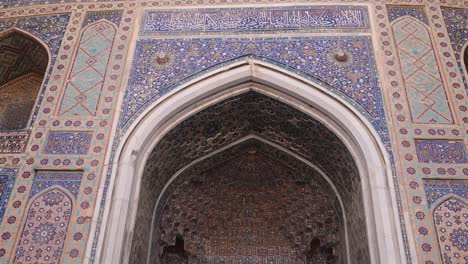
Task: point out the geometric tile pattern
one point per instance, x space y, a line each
17 101
440 151
424 86
7 180
45 228
61 142
69 180
436 189
161 65
451 223
20 55
13 142
255 19
397 11
86 80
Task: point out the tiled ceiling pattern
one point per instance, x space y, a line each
20 55
252 206
233 119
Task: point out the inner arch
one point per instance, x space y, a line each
219 125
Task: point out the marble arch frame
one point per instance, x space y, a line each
357 133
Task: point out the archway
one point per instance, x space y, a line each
24 64
383 235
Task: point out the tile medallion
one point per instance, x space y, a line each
450 221
69 180
456 21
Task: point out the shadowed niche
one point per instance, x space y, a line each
252 200
22 71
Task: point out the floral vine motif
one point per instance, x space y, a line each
53 198
44 233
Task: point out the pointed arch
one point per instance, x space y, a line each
464 60
326 184
45 227
82 92
425 89
357 133
450 216
21 76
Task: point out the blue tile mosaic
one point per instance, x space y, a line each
160 66
440 151
70 180
68 143
397 11
7 180
256 19
456 20
435 189
112 16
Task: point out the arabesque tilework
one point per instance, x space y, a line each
456 20
436 189
160 66
7 180
111 16
440 151
397 11
64 142
431 190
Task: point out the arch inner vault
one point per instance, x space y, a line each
251 164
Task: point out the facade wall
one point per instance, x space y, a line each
111 61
